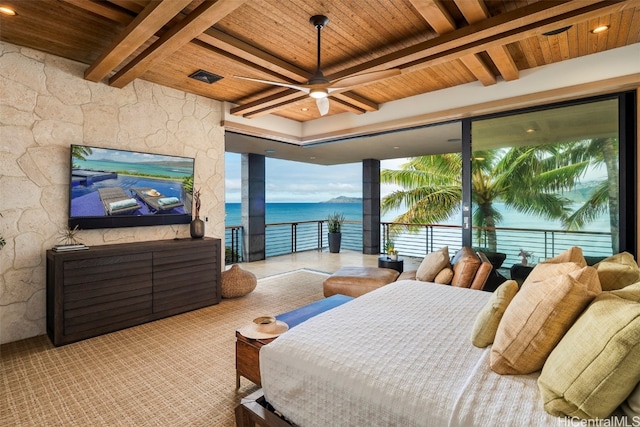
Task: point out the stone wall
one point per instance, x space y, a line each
46 105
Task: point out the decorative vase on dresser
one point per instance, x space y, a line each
196 227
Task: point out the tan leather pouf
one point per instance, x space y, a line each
356 281
237 282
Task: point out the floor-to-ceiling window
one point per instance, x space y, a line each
543 180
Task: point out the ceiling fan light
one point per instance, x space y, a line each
318 93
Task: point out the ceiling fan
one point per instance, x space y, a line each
318 86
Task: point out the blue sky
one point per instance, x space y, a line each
302 182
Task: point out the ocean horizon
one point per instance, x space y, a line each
277 212
300 212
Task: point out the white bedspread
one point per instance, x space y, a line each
398 356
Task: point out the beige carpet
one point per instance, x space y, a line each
178 371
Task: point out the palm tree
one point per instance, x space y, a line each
605 196
80 152
526 179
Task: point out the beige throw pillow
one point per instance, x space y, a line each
597 364
618 271
543 271
538 317
432 264
570 260
573 254
487 321
445 276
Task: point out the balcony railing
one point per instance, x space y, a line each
412 240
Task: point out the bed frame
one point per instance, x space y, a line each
254 411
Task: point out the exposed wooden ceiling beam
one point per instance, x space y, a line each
359 102
479 69
473 10
476 11
287 95
203 17
501 56
102 9
434 13
348 105
231 48
522 23
441 21
279 68
294 96
144 26
243 53
351 101
509 27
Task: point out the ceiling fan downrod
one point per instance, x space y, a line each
319 22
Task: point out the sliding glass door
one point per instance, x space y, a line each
540 181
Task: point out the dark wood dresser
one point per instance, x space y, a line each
111 287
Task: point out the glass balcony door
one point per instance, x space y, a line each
544 180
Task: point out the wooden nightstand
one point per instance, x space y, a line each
248 349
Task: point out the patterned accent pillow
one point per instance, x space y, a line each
538 317
487 321
597 364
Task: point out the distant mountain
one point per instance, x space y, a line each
582 192
344 199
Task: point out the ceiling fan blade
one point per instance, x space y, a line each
283 84
323 105
364 78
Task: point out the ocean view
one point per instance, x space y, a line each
541 243
291 212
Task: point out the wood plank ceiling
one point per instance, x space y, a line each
435 44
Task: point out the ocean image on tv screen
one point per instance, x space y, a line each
118 183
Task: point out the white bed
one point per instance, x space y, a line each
398 356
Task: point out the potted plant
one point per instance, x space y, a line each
525 255
389 249
334 222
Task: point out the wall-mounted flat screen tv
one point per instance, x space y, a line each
119 188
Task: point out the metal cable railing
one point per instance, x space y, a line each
416 240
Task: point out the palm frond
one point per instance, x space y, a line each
590 210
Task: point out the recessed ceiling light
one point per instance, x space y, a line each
269 151
600 29
304 109
530 130
396 147
312 158
7 11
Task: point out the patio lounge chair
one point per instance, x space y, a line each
156 201
116 201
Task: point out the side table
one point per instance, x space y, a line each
386 262
248 349
520 272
